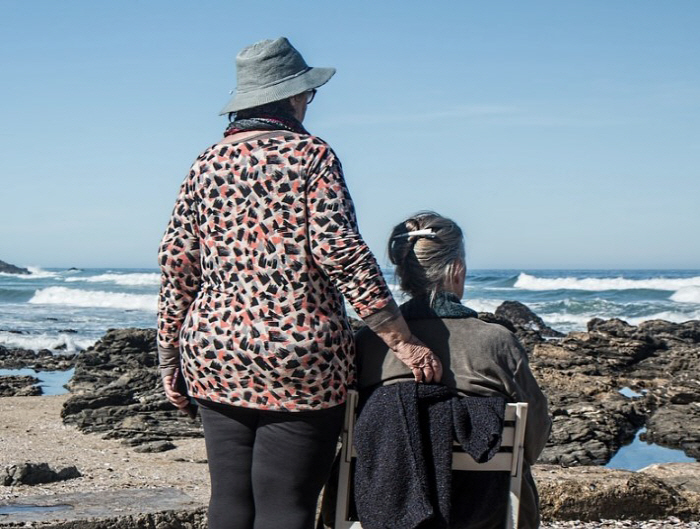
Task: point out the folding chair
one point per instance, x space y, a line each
508 459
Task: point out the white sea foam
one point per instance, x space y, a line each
675 317
529 282
579 322
557 320
36 273
690 294
482 305
136 279
93 298
35 342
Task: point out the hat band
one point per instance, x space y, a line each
278 81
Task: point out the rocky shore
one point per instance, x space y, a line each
127 426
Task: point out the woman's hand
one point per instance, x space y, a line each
176 399
426 367
391 327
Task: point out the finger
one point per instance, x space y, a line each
171 393
176 399
428 374
437 369
417 374
180 402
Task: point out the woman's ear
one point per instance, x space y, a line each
298 103
458 273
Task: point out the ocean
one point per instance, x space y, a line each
69 309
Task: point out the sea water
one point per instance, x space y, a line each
67 310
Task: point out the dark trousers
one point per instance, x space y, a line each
267 468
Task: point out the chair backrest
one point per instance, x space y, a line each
508 459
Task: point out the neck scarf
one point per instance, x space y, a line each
445 305
287 123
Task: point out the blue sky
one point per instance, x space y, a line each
558 134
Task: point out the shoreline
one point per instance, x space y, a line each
32 431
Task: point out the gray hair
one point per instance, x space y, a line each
425 260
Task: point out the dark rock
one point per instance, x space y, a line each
527 336
677 426
117 389
613 326
688 331
582 374
43 360
521 316
35 473
8 268
157 446
590 433
117 392
19 386
489 317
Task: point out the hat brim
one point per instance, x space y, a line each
310 79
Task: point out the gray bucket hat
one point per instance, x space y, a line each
272 70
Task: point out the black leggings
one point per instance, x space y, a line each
267 468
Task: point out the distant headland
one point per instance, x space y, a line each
8 268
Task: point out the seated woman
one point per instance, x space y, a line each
480 359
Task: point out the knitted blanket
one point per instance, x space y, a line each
404 439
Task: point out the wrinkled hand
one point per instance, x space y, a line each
175 398
426 367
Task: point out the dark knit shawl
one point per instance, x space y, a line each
404 439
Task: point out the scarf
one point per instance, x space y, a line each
286 122
445 305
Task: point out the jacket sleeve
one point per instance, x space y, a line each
180 276
336 244
526 389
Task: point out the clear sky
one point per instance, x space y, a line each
558 134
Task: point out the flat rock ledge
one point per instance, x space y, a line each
590 493
164 508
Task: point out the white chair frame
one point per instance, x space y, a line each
508 459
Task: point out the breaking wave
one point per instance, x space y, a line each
35 342
93 298
593 284
137 279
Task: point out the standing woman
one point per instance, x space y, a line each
261 248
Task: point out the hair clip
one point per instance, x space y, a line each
426 232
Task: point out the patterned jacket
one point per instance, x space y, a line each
262 242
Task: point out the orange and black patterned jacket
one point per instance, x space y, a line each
262 242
